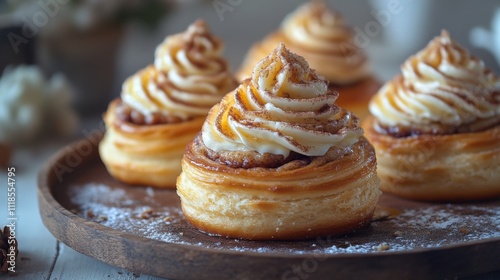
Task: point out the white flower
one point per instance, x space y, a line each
31 106
21 96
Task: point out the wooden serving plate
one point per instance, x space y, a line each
143 230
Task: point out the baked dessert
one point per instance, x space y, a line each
163 106
436 126
277 159
320 35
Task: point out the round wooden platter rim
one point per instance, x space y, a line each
52 211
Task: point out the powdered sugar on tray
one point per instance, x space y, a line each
144 212
430 227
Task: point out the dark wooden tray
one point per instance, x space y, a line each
143 230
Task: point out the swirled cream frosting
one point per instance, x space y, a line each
284 107
188 77
322 37
442 89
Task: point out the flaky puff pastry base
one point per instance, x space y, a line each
294 201
148 155
455 167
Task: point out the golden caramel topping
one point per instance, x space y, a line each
442 89
188 77
284 107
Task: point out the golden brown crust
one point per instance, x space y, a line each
296 200
454 167
347 227
147 155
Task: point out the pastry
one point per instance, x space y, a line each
436 126
277 159
163 106
320 35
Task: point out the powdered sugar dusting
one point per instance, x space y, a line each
429 227
156 214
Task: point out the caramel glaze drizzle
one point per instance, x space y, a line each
474 90
311 112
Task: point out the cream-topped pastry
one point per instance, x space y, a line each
321 36
285 107
274 153
163 106
188 77
442 89
436 127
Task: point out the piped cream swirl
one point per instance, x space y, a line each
442 89
284 107
188 77
322 37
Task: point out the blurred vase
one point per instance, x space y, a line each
87 58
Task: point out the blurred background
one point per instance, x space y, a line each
84 49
